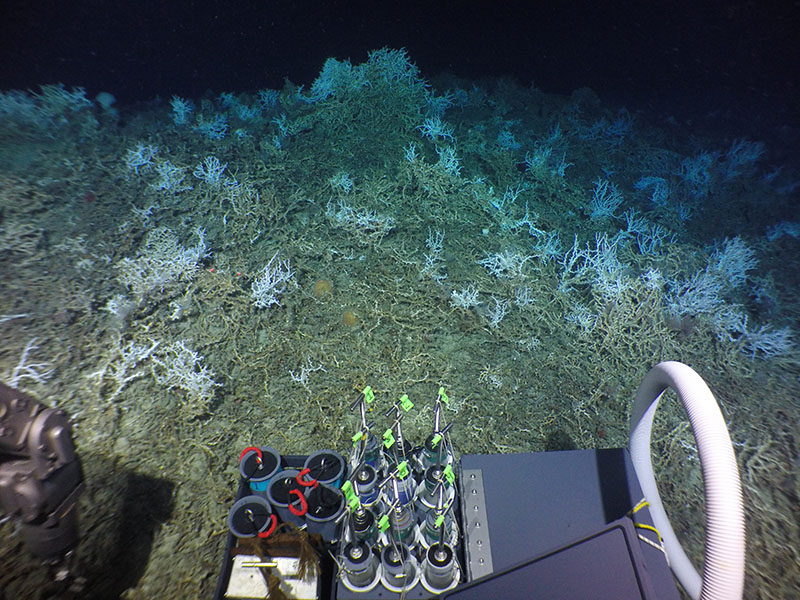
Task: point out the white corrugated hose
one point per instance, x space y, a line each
723 567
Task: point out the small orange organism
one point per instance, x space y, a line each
323 288
350 318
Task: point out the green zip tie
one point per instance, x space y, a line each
436 439
388 438
449 475
383 523
443 396
406 403
402 469
357 438
354 504
369 395
347 489
439 520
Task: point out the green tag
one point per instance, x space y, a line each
436 439
353 503
406 403
449 475
402 469
443 396
357 437
383 523
439 520
347 489
369 395
388 438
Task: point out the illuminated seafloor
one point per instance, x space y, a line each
193 276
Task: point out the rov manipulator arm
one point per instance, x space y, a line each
40 474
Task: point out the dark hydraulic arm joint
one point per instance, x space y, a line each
40 474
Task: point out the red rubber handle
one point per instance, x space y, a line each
251 449
268 532
303 482
303 504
